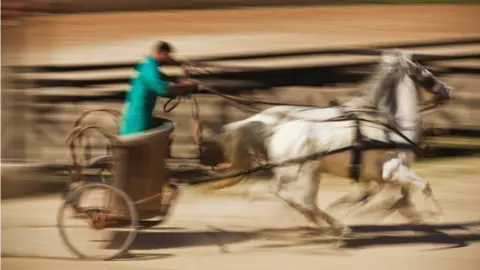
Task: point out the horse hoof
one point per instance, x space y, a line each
343 231
431 215
418 221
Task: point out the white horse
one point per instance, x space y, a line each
396 96
366 100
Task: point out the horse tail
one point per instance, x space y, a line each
244 147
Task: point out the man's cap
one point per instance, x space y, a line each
163 46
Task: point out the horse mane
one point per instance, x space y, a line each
378 91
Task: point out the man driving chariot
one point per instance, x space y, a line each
146 86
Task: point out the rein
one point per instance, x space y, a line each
247 104
241 102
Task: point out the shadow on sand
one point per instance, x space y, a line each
454 235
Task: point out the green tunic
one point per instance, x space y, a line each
140 101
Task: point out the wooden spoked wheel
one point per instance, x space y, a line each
97 222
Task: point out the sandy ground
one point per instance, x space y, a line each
228 231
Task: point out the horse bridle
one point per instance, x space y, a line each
441 91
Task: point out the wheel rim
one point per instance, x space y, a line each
118 228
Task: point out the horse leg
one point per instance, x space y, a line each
285 188
397 175
359 193
310 177
416 183
406 207
380 205
303 197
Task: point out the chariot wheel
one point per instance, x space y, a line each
97 222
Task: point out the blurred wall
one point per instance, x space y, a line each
71 6
16 179
18 182
76 6
13 99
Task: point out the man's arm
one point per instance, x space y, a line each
163 88
154 80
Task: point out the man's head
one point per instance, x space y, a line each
161 51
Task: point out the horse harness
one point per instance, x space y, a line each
361 143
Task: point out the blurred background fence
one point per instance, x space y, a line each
57 94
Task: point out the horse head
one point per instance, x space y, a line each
398 93
420 75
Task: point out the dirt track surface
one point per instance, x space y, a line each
227 231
